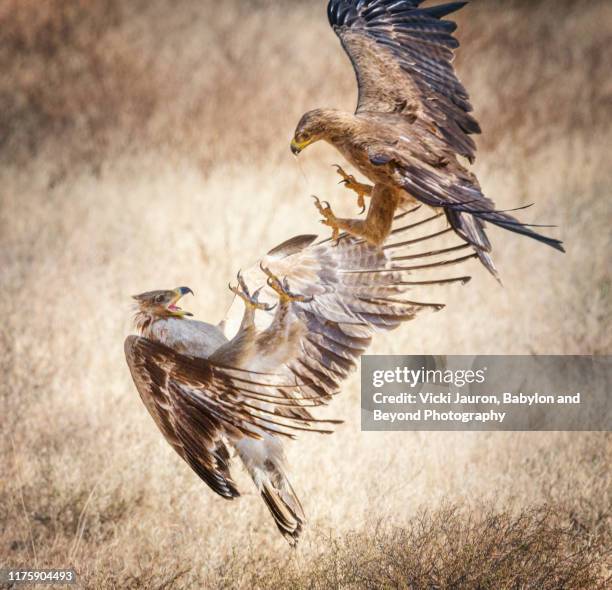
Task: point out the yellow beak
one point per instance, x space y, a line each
297 147
177 311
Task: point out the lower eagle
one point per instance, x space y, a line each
310 311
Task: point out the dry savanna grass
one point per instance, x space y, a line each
145 145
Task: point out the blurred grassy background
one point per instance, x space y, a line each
145 145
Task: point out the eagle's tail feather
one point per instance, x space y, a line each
471 229
512 224
263 460
284 505
467 210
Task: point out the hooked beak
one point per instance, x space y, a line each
297 147
173 308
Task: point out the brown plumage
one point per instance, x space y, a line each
412 124
294 342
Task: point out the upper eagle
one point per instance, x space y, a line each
411 133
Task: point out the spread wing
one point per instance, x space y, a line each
200 407
357 290
402 55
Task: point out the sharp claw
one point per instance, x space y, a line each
362 210
265 269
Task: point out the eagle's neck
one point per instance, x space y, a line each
143 323
338 124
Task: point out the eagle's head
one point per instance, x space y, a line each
313 126
161 304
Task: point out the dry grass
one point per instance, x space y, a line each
144 145
444 549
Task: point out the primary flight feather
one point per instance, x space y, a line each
412 124
215 392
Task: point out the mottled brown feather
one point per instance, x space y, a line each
200 407
402 55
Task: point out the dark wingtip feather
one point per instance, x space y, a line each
523 229
487 261
443 10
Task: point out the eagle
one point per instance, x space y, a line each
411 132
239 389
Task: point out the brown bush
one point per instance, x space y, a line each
448 548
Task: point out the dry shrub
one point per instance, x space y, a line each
447 548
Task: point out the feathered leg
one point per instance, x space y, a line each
279 340
241 347
375 227
266 350
272 346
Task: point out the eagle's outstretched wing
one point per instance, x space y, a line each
402 55
356 290
200 407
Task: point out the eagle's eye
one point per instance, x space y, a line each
159 299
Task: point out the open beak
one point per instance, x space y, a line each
297 147
173 308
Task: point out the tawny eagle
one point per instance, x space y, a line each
215 392
412 124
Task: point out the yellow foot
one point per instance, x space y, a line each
252 301
282 287
362 190
329 218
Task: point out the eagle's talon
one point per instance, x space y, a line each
281 288
242 284
329 219
266 271
324 208
252 301
264 306
350 182
346 178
